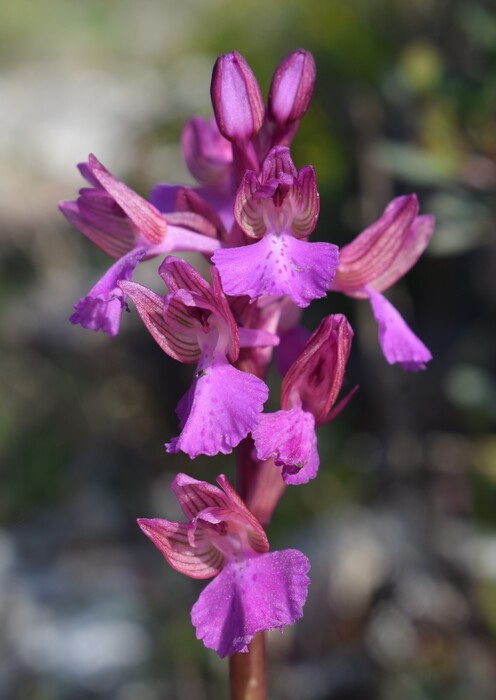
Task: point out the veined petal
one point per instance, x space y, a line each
144 216
199 499
258 594
278 264
101 309
398 342
315 378
248 209
287 437
418 240
171 539
189 201
374 250
224 406
164 197
194 496
305 203
180 274
101 220
168 322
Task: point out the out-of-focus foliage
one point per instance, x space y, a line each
400 525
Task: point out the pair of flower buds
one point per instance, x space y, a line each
251 215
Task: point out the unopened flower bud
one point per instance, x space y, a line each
292 87
236 98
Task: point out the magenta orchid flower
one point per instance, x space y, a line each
310 389
378 258
126 227
278 209
194 324
254 590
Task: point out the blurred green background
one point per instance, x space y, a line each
400 524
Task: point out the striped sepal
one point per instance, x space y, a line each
201 561
107 230
144 215
375 249
168 321
305 204
179 274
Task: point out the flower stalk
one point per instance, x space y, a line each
247 672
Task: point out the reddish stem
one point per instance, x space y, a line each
247 672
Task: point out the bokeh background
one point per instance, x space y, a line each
400 524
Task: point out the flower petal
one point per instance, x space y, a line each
309 471
168 322
101 309
305 203
398 342
258 594
199 499
224 405
418 240
101 220
207 153
194 496
171 539
372 252
315 378
278 264
287 437
144 215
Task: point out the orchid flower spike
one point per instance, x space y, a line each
310 389
374 261
126 227
253 590
194 324
278 210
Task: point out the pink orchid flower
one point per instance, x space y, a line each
194 324
254 590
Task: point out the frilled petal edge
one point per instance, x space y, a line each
219 410
278 264
258 594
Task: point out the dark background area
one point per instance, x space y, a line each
400 524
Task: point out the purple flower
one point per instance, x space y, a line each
126 227
101 309
279 209
193 324
374 261
253 590
310 389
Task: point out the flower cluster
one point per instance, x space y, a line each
251 215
